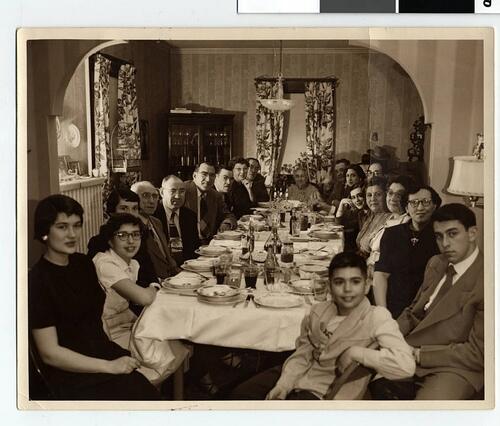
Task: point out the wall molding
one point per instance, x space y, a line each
270 51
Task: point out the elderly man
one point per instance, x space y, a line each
180 222
207 204
405 250
241 193
256 181
156 241
445 322
302 190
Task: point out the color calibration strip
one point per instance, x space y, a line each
368 6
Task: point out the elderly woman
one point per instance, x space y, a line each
351 214
65 305
397 188
375 199
302 190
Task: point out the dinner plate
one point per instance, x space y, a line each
307 270
301 239
247 217
230 235
206 274
278 301
232 301
318 254
218 291
198 265
301 287
180 290
183 282
211 251
259 256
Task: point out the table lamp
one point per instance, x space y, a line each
467 179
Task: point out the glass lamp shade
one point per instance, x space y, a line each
467 178
277 104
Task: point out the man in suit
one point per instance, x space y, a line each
207 204
256 180
180 222
445 322
241 190
223 183
156 240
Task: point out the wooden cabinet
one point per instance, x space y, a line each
194 138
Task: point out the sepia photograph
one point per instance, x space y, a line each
228 218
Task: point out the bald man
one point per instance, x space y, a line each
156 240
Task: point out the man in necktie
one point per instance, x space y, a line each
223 183
181 223
445 322
156 241
207 204
259 189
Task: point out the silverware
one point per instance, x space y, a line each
249 296
315 251
238 302
253 300
308 299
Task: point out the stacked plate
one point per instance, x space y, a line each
278 300
230 235
211 251
301 287
184 281
306 271
197 265
219 294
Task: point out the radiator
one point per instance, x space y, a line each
89 194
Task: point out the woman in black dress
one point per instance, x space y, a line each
65 303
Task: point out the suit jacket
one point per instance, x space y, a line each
218 212
163 264
188 223
451 334
240 199
259 189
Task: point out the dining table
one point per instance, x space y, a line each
243 323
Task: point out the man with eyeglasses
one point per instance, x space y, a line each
405 250
374 169
207 204
156 240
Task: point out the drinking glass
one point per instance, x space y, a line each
251 272
220 269
320 288
233 278
272 278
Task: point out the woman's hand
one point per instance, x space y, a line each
277 393
123 365
350 355
345 204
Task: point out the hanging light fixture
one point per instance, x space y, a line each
279 104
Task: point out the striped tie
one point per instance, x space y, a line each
204 228
172 228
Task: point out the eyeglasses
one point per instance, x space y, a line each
426 202
124 236
150 195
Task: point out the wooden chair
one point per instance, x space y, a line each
40 387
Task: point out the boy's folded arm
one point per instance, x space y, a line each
297 363
394 358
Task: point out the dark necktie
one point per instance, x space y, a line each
448 282
204 229
172 228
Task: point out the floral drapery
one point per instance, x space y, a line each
269 129
102 67
320 129
128 119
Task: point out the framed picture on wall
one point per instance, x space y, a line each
73 167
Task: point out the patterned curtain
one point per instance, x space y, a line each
128 120
102 67
320 129
269 129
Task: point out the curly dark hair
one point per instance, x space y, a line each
347 260
118 194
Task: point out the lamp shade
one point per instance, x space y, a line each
467 178
277 104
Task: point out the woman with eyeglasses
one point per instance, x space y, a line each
65 304
351 214
405 250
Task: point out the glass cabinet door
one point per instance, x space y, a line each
217 144
183 144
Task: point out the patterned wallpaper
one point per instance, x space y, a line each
374 95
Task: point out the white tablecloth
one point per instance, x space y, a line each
172 317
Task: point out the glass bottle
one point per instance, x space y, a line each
271 267
273 241
287 251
